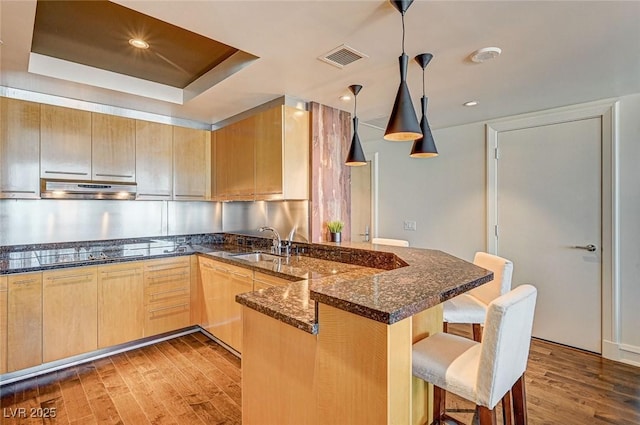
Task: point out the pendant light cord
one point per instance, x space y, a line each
355 104
402 32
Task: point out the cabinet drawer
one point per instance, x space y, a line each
164 276
167 316
166 292
261 280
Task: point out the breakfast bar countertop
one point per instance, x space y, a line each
424 279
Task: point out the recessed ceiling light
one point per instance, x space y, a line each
345 98
471 103
138 43
485 54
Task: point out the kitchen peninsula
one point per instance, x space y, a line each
352 363
329 343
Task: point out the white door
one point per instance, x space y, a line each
548 212
361 203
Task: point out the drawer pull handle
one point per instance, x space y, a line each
74 173
168 275
25 281
167 266
154 194
70 276
18 191
240 274
168 292
132 272
169 308
114 175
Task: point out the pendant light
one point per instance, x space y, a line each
356 155
424 147
403 124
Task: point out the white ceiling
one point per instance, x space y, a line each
555 53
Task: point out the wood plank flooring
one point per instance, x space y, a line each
193 380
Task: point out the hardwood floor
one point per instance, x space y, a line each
187 380
192 380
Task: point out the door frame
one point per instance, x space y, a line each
607 111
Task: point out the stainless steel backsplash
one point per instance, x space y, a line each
247 217
49 221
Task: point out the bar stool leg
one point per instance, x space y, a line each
506 409
477 332
519 402
487 416
438 404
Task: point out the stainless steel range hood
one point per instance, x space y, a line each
73 189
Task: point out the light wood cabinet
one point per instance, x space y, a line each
270 156
264 281
234 163
191 164
120 303
113 148
282 154
221 314
65 143
3 324
154 160
24 321
167 295
19 148
69 312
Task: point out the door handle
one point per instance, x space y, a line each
591 247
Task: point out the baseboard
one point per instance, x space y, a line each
623 353
44 368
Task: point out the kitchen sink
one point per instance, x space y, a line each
255 257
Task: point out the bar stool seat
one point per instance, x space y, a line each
484 372
391 242
471 307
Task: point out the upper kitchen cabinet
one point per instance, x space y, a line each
113 148
154 156
191 164
264 156
282 154
234 163
65 143
19 148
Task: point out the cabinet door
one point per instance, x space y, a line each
19 149
241 281
70 312
154 156
3 324
113 147
235 160
24 321
269 152
65 143
120 304
222 315
190 167
167 295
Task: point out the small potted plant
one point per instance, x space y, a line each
335 230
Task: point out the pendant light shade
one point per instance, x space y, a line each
403 124
425 146
356 154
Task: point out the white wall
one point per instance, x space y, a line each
449 186
446 197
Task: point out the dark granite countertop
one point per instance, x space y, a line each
382 283
423 278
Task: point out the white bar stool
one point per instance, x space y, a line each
483 372
392 242
471 307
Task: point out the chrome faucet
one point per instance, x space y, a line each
276 247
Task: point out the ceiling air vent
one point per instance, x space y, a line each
342 56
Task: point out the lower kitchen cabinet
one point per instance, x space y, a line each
69 312
264 281
221 314
120 303
3 324
167 298
24 321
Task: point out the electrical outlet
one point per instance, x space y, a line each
409 225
